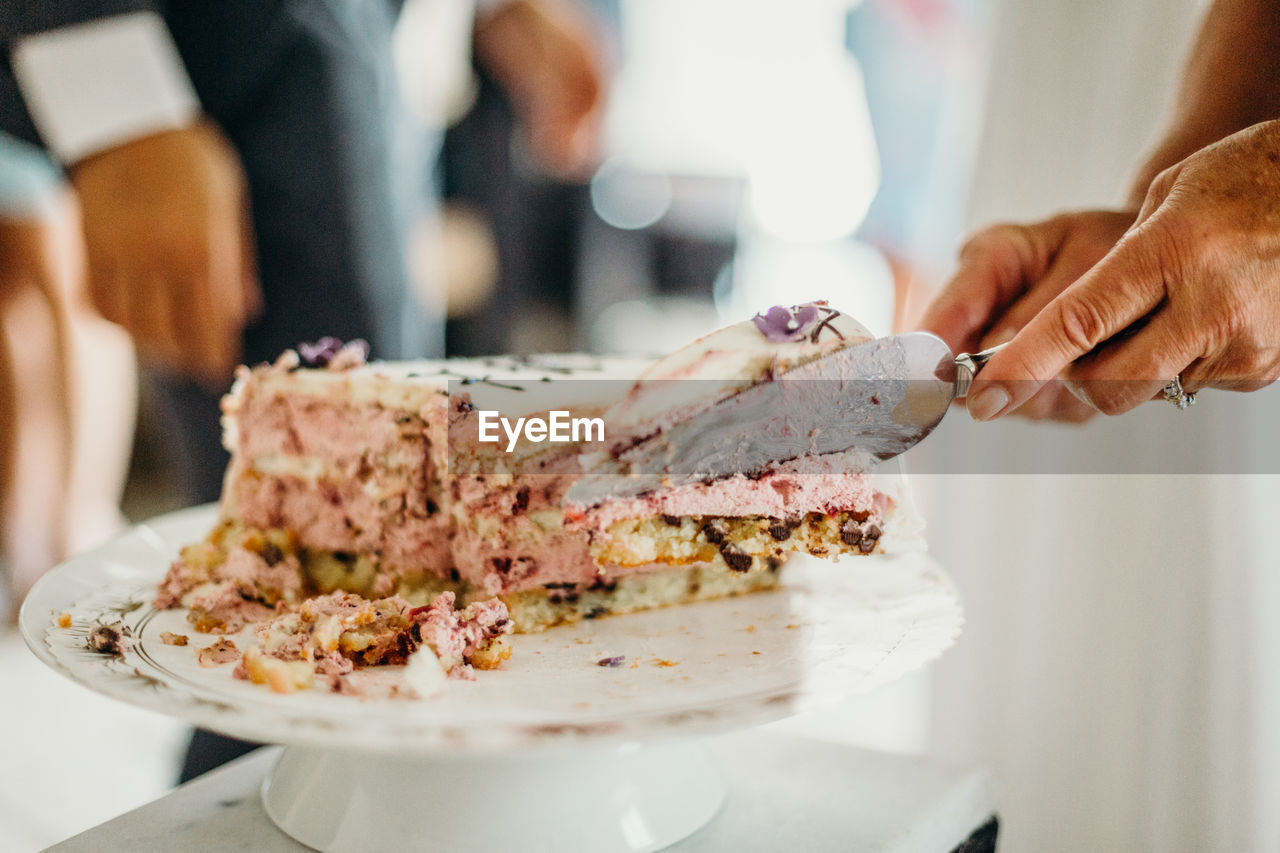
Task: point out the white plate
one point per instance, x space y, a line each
833 629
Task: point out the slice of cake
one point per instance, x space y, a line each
752 513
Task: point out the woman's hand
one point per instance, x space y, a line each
1192 289
1007 274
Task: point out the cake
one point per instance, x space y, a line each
724 505
401 485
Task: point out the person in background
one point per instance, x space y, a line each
67 387
242 183
1178 290
514 168
245 177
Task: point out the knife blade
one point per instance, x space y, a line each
878 399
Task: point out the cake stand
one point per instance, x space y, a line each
554 751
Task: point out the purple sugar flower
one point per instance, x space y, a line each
323 351
780 324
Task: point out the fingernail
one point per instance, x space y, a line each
989 402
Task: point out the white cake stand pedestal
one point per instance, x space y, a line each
620 799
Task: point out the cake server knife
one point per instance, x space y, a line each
878 399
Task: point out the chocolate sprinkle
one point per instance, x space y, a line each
780 531
673 520
826 324
737 559
714 532
850 533
616 660
522 499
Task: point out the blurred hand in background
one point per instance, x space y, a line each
170 249
547 55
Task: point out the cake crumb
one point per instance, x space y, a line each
793 626
171 639
64 619
664 662
223 651
108 639
751 629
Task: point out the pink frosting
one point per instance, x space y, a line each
456 635
224 603
812 484
518 553
314 426
343 517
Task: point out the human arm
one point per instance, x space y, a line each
1226 88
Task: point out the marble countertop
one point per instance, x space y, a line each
784 793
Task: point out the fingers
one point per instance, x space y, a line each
1159 191
219 304
1123 287
104 294
1004 327
189 314
151 315
995 268
1090 236
1119 376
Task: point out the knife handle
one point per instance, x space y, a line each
968 365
